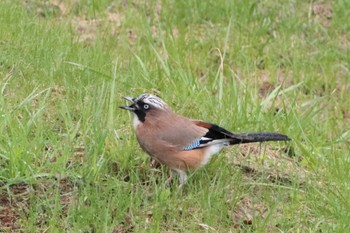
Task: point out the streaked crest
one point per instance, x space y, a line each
152 100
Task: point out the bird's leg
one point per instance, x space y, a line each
154 163
182 177
170 179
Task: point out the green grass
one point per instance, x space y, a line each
69 159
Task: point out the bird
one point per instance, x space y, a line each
181 143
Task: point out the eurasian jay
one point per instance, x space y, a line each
180 143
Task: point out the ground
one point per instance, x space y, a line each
69 159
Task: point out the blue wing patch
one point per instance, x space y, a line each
205 141
194 145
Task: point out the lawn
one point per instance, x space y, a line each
69 158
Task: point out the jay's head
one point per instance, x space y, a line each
145 105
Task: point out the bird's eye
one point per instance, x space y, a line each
145 106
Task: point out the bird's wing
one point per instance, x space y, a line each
214 131
214 135
180 132
194 134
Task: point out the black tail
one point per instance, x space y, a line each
216 132
257 137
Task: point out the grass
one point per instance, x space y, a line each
69 159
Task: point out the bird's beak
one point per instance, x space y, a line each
131 107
